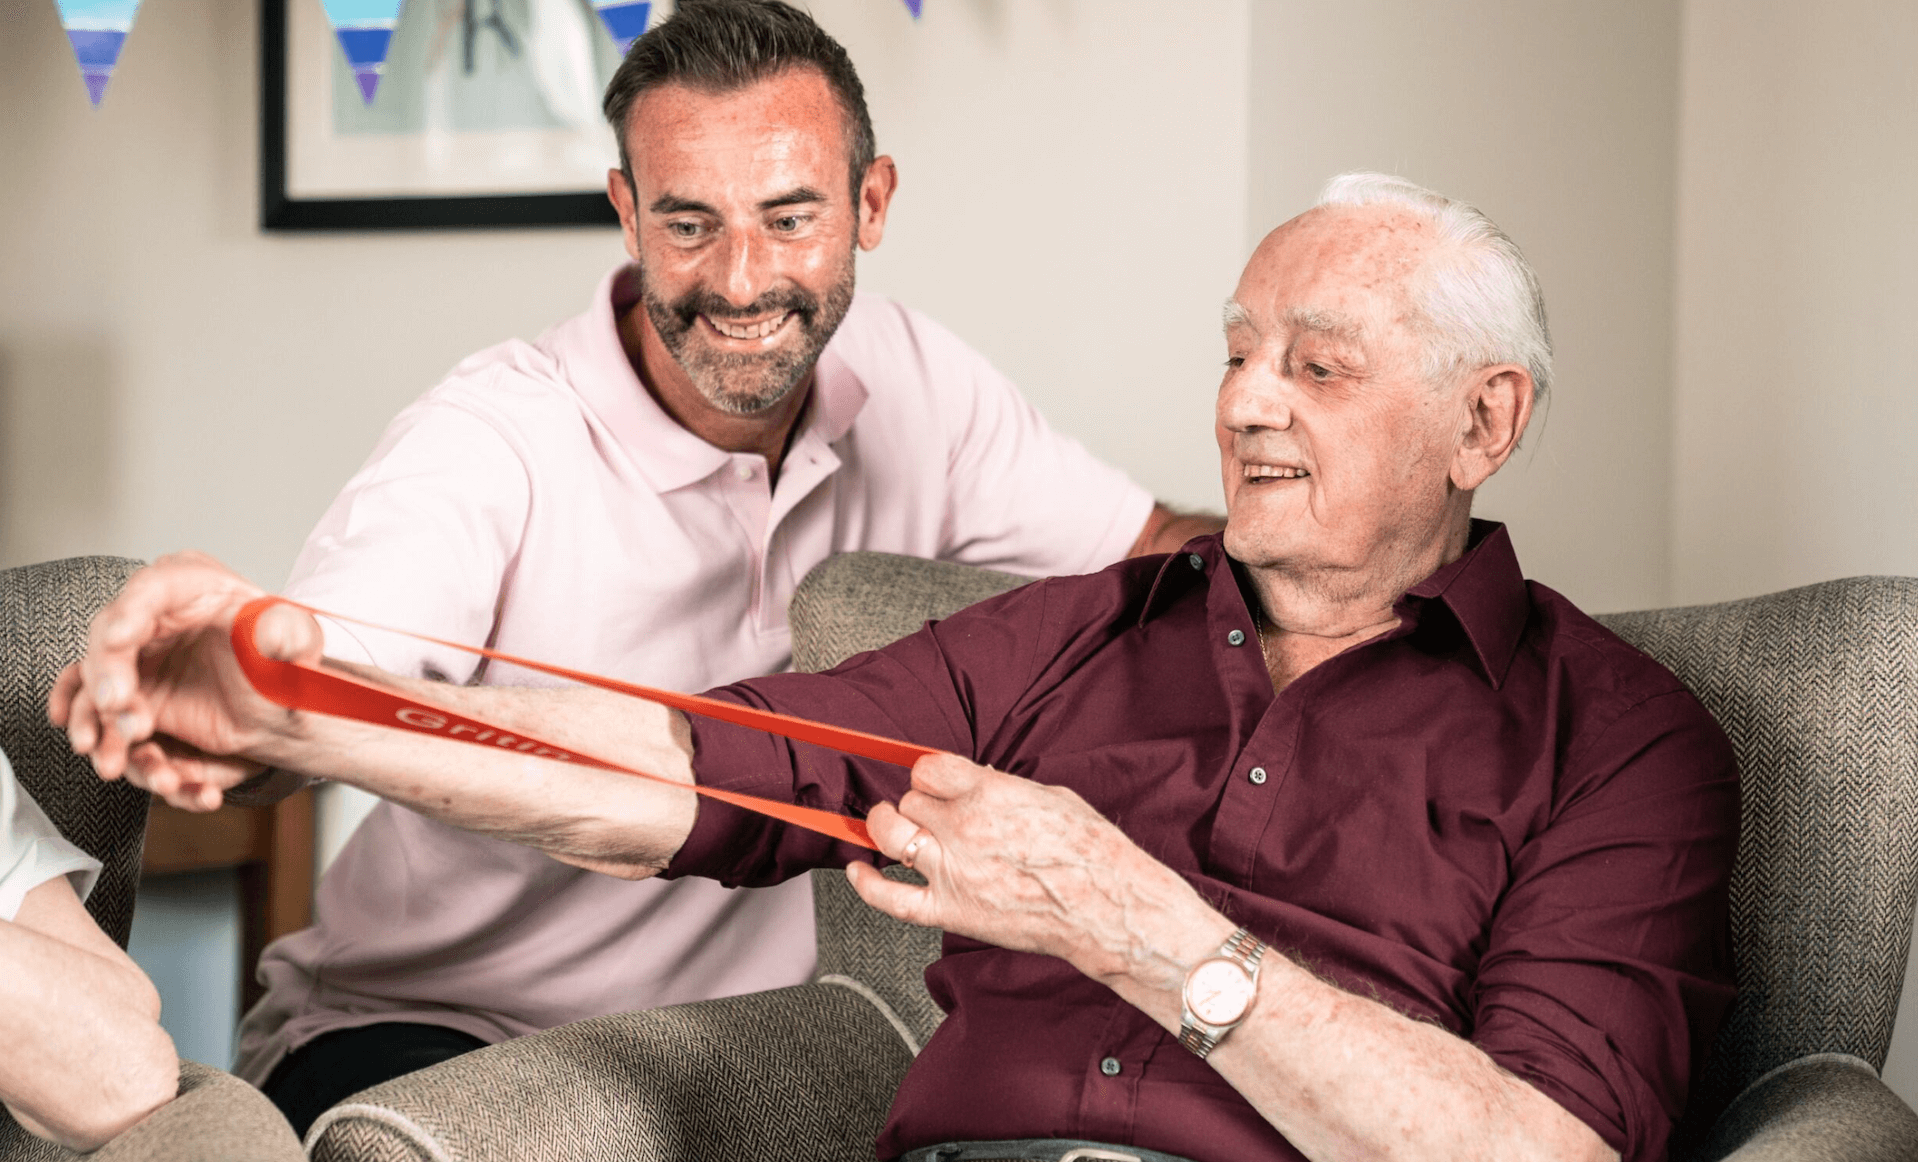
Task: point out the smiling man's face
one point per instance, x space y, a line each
743 226
1336 449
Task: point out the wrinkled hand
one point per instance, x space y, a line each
159 698
1034 868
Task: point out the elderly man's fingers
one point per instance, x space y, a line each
890 829
187 777
289 635
108 749
81 724
947 776
151 767
60 698
908 902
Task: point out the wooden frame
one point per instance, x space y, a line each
280 210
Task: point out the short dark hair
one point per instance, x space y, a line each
723 45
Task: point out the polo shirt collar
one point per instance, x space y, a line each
666 454
1484 590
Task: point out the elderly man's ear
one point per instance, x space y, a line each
1498 405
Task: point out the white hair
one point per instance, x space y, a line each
1483 306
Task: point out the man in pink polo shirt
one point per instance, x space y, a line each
637 493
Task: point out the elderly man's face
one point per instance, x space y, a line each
1336 450
743 227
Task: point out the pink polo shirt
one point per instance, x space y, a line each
540 502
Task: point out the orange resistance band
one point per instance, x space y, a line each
298 686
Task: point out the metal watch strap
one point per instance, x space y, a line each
1245 948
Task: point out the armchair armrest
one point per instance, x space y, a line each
216 1118
802 1073
1821 1106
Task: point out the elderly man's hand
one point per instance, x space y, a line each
159 698
1034 868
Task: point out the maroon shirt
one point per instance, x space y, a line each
1498 817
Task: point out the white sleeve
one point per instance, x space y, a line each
32 850
1022 496
422 539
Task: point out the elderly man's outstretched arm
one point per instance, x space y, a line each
159 699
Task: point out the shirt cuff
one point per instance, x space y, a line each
728 842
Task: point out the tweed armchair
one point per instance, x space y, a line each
1817 687
44 610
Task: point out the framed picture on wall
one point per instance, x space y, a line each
459 113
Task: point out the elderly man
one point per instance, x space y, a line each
1410 856
637 492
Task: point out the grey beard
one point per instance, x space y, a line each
744 385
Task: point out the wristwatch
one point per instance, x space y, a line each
1219 991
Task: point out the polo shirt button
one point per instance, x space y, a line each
1196 561
743 471
1257 775
1236 637
1110 1067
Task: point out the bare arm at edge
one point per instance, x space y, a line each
84 1056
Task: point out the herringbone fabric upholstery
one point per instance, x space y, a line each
216 1118
16 1145
1818 690
860 601
888 956
796 1074
44 611
1823 1108
847 605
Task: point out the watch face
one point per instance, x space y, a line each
1218 991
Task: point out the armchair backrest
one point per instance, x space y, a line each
44 611
1817 689
849 604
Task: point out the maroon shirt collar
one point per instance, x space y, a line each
1483 590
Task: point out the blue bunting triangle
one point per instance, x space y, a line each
624 20
97 29
365 29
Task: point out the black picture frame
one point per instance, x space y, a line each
281 212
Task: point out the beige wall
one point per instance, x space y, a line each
1796 435
1558 120
1797 420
